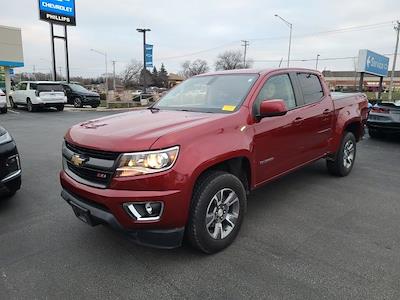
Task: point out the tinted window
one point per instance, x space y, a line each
50 87
311 87
278 87
32 86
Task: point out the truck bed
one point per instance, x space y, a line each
341 100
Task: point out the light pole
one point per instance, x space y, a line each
245 45
397 28
290 36
316 63
144 30
105 58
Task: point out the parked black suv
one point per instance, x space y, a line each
10 166
80 96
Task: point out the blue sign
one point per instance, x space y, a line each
372 63
58 11
149 55
11 71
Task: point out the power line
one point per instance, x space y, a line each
331 31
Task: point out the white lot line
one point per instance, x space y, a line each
13 111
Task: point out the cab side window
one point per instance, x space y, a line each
311 87
278 87
33 86
22 86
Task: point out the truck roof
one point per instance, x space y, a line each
257 71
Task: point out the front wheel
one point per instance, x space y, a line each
343 161
78 102
217 210
3 110
12 103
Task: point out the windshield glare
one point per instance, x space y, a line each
78 88
214 93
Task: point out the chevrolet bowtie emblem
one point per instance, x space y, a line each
78 160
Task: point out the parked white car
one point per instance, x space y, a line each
3 102
37 94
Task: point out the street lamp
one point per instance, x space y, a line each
105 58
144 30
316 63
290 36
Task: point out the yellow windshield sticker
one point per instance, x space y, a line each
228 107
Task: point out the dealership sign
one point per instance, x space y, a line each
372 63
58 11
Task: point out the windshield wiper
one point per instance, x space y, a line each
153 109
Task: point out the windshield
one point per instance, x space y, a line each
214 93
78 88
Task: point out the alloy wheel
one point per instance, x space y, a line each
222 213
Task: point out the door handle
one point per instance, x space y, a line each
326 111
298 121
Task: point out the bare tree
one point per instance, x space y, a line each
196 67
131 74
230 60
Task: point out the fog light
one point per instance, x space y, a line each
148 207
144 211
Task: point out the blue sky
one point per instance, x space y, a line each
180 28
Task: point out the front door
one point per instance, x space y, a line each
277 139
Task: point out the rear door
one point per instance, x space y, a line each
317 113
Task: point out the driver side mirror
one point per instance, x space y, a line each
272 108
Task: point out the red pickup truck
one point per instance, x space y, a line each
183 168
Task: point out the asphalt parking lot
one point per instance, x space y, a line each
305 236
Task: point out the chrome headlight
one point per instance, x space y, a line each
5 137
133 164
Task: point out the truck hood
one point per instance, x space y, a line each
136 130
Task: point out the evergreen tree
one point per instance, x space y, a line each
156 78
163 76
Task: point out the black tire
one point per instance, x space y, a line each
3 110
12 103
30 106
375 134
60 107
78 102
206 188
95 106
339 165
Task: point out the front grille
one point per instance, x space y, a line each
97 169
93 153
92 175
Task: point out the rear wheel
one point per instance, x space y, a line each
218 206
60 107
343 162
95 106
30 106
3 110
78 102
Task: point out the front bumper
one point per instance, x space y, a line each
91 101
390 127
10 168
94 214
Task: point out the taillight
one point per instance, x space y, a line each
380 110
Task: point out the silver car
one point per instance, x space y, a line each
3 102
384 118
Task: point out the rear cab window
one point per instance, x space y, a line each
311 87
